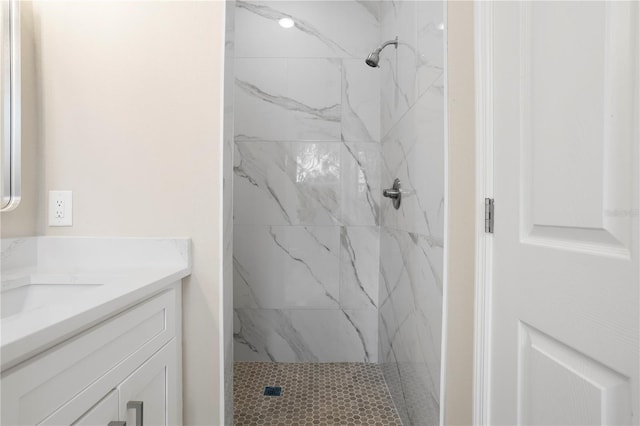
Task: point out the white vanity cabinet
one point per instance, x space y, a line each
90 377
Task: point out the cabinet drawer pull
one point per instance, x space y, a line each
117 424
136 405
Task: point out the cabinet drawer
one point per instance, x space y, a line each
35 389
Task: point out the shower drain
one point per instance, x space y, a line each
273 391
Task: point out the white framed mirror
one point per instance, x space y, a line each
10 128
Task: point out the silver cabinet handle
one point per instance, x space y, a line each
117 424
136 405
395 193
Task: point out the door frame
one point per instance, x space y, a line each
483 60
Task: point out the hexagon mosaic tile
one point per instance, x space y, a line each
328 394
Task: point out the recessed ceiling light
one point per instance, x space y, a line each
441 26
286 22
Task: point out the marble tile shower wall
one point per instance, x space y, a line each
411 241
306 182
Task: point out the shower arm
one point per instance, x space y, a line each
386 43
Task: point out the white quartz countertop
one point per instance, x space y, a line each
54 287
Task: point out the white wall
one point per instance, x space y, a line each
130 120
461 243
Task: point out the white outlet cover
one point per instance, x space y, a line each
60 208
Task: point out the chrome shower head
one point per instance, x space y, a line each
374 57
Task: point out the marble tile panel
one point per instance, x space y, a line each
280 267
360 101
419 380
398 313
359 258
392 265
414 152
372 7
398 67
306 335
391 373
426 261
386 326
413 383
391 320
410 323
360 184
340 29
430 18
388 7
411 277
288 99
287 183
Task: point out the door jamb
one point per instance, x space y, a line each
483 60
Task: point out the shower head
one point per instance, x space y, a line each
374 57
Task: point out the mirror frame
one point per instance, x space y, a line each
11 107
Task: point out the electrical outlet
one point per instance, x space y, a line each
60 208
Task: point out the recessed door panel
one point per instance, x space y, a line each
561 386
577 63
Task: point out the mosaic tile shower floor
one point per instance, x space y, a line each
328 394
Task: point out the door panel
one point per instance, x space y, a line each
557 46
560 386
102 413
154 384
565 296
577 166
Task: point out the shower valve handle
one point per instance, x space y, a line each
394 193
391 193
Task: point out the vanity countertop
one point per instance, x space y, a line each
56 287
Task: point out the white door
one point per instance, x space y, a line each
564 298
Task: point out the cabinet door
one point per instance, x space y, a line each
153 384
102 413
